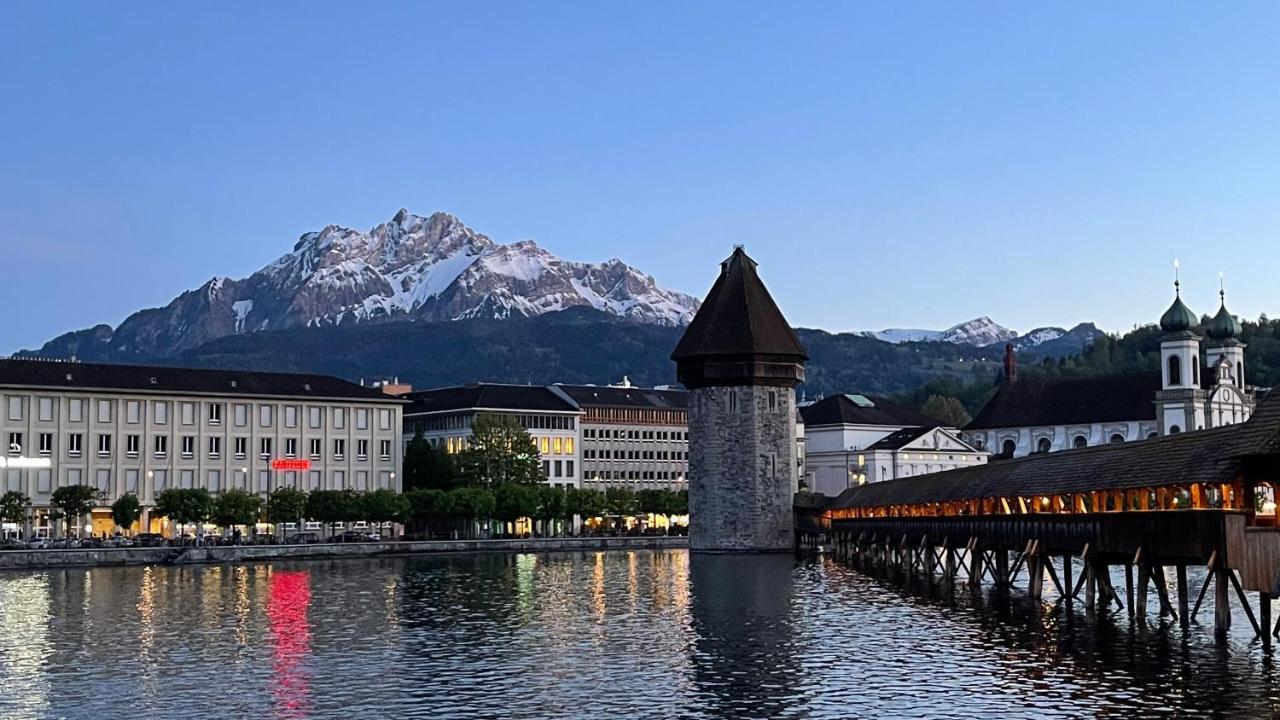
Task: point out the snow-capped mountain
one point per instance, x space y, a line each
978 332
410 268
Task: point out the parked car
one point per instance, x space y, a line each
350 536
42 543
303 538
12 544
149 540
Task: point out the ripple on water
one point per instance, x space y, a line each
631 634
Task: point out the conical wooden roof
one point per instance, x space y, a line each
738 317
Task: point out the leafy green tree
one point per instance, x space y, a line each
427 466
620 502
585 503
14 507
473 505
286 505
552 502
185 506
500 452
72 503
125 511
947 410
430 508
236 507
513 501
330 507
383 506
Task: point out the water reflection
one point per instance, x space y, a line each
590 634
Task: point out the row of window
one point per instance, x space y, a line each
558 468
634 415
593 454
160 446
637 475
615 434
463 421
104 410
159 480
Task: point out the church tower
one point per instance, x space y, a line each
1223 331
1180 403
741 362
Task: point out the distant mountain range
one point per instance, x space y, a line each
431 301
985 332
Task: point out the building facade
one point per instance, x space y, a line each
633 437
445 416
855 439
141 430
1199 385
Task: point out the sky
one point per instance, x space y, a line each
888 164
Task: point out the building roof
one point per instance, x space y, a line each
1039 402
1178 318
1224 325
1203 456
862 410
630 397
738 318
65 375
901 438
491 396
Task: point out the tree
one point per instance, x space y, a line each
513 501
947 410
330 507
286 505
620 502
552 502
14 507
472 504
236 507
185 506
585 503
73 501
500 452
382 506
430 507
427 466
125 511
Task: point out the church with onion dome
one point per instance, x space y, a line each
1201 384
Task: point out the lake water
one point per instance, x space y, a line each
620 634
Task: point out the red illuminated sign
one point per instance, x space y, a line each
290 464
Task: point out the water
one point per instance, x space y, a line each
622 634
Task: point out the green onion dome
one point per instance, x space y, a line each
1178 317
1223 326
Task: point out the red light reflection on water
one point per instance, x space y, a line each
290 598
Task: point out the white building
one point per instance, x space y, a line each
633 437
444 417
1199 385
854 439
136 429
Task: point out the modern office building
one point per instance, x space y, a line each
444 417
633 437
138 429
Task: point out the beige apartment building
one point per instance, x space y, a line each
137 429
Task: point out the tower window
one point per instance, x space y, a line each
733 400
1116 439
1080 441
1008 448
1043 445
1240 374
1175 370
1195 375
1174 429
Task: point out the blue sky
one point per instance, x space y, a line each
891 164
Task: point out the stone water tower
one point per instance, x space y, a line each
741 362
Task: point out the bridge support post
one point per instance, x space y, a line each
1264 619
975 565
1162 590
1128 589
1184 612
1002 567
1090 585
1222 603
1066 579
949 561
1144 579
1035 568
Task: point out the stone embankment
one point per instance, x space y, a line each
103 557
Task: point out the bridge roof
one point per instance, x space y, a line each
1205 456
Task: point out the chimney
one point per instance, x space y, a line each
1010 365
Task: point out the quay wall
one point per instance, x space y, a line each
105 557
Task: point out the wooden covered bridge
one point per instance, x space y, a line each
1202 498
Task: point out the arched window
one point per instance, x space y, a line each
1174 430
1175 370
1116 439
1008 448
1080 441
1195 375
1153 436
1043 445
1239 375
